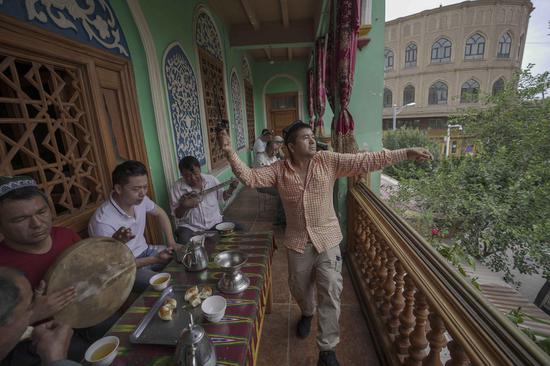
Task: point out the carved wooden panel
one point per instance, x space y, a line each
214 102
46 131
250 120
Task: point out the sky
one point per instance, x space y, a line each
537 46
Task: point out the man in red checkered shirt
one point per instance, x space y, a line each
305 183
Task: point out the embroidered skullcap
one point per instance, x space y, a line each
8 183
278 139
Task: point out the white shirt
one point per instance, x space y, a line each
259 146
263 160
109 217
207 214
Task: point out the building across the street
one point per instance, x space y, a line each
443 59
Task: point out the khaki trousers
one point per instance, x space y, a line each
305 270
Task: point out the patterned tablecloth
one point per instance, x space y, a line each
237 336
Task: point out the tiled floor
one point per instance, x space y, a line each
279 345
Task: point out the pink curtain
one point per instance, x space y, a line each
310 97
319 84
343 48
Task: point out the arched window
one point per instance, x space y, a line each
388 98
388 59
469 93
438 93
504 46
441 51
410 55
408 94
498 86
475 47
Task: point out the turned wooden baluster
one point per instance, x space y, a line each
381 275
389 284
397 300
374 263
437 339
458 356
419 343
406 318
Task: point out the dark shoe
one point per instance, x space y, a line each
327 358
304 326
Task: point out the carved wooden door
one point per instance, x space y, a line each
250 120
214 103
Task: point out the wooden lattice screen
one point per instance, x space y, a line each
46 132
249 100
214 102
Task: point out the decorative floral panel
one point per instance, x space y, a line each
238 110
184 105
207 36
92 21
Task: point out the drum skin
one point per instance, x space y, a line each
102 270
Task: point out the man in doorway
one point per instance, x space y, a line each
51 338
191 211
123 215
261 142
305 182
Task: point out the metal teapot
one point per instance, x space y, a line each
195 257
194 347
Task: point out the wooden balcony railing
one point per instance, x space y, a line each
420 309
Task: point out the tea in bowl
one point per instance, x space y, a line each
225 228
103 351
160 281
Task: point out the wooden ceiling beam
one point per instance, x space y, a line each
284 13
251 14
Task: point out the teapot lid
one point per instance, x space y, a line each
192 334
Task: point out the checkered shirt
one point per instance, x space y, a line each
310 214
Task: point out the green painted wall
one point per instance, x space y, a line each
170 22
293 76
145 103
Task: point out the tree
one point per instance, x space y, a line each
496 204
409 137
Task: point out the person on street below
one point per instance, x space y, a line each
305 182
123 216
191 212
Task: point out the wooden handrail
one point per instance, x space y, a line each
402 279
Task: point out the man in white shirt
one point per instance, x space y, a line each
261 142
123 216
266 159
196 212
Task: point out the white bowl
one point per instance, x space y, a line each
161 285
109 357
225 227
213 308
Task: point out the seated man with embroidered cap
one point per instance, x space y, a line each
192 213
51 339
261 142
31 244
125 213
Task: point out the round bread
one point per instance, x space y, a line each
171 302
165 312
192 291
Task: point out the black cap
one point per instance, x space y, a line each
266 132
296 125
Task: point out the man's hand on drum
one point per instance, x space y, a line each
47 305
123 234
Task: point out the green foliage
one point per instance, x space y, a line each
517 316
409 137
496 203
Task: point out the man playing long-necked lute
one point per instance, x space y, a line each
193 210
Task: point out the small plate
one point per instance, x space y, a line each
225 228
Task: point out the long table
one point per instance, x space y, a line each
237 336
